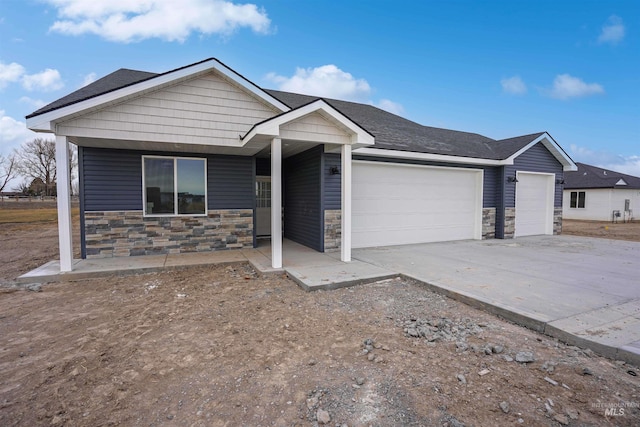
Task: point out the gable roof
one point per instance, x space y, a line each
391 132
588 176
116 80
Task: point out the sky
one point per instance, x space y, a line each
498 68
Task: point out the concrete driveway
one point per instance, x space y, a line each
584 291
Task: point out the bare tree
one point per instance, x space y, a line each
8 169
37 159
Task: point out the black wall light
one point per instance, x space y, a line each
334 170
560 181
512 179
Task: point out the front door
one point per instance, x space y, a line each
263 206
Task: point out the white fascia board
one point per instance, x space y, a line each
271 127
44 122
378 152
553 147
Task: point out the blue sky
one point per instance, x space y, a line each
499 68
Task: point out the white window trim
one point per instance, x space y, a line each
175 188
577 206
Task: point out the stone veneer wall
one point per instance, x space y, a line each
332 229
488 223
129 233
509 222
557 220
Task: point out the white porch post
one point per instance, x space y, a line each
276 203
345 246
63 187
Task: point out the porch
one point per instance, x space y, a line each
312 270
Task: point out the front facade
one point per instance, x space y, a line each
197 159
597 194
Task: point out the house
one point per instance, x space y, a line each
594 193
195 159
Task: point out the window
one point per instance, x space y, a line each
577 199
174 185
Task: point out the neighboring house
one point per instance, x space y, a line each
595 193
194 159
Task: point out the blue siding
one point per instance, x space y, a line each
490 185
332 183
535 159
230 182
303 216
111 180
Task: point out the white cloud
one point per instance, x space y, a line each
604 159
14 132
566 86
513 85
10 73
612 31
88 79
129 21
390 106
35 103
327 81
47 80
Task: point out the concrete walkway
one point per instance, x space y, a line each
583 291
310 269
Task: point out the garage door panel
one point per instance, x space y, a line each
397 204
534 204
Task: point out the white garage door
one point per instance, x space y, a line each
397 204
534 204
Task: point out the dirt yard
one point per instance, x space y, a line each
221 346
607 230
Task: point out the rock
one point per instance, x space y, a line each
368 341
461 346
562 419
360 381
549 409
508 358
497 349
572 413
461 378
525 357
548 367
34 287
370 357
586 371
550 381
483 372
412 332
505 407
312 402
323 417
488 350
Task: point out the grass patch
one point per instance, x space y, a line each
21 216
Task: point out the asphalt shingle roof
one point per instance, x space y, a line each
588 176
391 132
